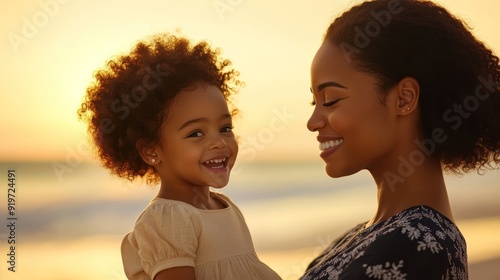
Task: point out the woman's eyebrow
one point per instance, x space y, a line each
324 85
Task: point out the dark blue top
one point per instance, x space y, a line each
418 243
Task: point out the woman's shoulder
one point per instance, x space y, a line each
424 226
424 218
418 242
418 238
422 234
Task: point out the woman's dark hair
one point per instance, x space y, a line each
130 96
459 76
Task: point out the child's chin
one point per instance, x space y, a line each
213 186
217 186
219 183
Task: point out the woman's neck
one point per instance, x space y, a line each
409 186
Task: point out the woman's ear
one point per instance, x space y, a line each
408 91
147 151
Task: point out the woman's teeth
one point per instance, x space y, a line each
329 144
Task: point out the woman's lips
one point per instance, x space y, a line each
329 145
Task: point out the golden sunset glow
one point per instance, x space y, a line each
48 54
51 48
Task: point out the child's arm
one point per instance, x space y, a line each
176 273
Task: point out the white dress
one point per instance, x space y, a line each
170 233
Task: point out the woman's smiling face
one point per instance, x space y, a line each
355 129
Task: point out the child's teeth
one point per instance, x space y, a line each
215 160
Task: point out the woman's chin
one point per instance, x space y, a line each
337 172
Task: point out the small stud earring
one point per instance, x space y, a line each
153 160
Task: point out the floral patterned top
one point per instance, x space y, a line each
418 243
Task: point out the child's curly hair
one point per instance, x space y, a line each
416 38
130 96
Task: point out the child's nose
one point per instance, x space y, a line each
218 142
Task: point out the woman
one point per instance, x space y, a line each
405 91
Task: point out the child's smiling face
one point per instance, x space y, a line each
197 147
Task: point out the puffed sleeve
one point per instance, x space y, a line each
166 236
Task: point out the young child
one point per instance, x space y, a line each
161 113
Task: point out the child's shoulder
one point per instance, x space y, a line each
222 197
228 202
160 210
158 204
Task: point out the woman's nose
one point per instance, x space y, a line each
316 121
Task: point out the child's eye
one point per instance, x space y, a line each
313 103
227 128
196 134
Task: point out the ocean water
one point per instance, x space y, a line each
71 217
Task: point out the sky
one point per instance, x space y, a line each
49 50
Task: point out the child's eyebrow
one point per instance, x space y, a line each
198 120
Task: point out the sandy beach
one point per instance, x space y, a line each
98 257
72 229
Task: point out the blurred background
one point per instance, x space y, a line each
71 214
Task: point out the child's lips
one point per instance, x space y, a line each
216 164
216 160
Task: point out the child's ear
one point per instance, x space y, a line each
147 151
408 91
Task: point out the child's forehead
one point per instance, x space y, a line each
198 93
205 101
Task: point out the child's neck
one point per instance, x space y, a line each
199 197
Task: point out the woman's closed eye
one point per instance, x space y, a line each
331 102
326 104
